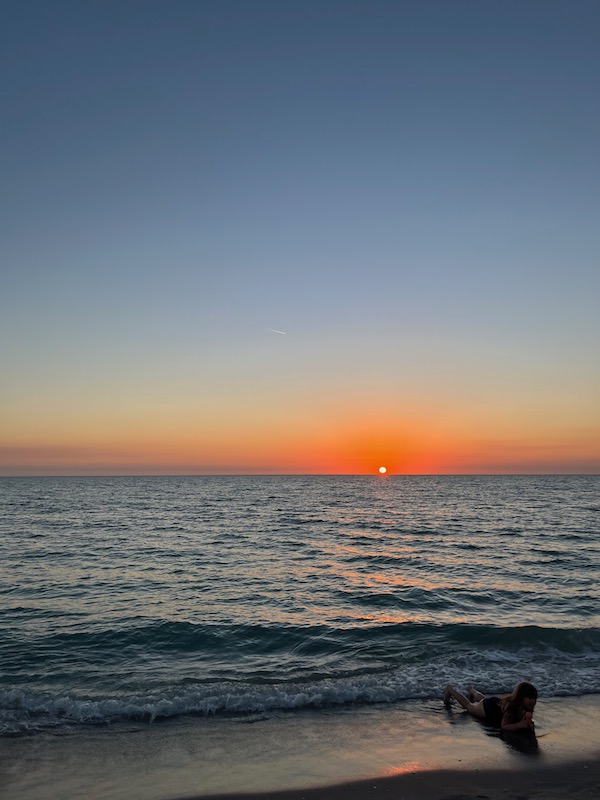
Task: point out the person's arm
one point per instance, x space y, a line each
523 724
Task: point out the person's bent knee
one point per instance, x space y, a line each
477 709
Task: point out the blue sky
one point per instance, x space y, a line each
408 189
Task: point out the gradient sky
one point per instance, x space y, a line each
409 191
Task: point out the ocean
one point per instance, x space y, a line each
145 599
174 637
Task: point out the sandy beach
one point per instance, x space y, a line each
573 780
562 761
415 750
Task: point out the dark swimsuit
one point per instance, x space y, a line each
493 712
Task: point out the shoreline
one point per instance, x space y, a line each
417 750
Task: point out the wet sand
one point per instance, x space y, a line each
578 780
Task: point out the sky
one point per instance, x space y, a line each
299 237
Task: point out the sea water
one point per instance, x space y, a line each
150 599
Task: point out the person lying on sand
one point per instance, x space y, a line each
511 713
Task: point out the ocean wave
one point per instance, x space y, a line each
493 669
261 639
166 652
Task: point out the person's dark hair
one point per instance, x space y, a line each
515 700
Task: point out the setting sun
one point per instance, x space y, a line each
382 470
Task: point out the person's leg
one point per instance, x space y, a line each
474 695
474 708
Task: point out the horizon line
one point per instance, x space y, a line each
306 475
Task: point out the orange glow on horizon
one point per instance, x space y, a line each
352 444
